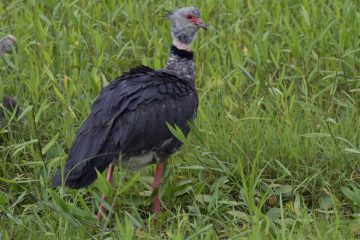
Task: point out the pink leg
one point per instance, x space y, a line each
109 178
156 185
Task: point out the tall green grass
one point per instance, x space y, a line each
273 154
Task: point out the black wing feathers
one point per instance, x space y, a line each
129 116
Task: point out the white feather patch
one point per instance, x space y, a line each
182 46
136 162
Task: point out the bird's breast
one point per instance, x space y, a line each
159 152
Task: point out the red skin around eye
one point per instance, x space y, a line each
195 20
192 18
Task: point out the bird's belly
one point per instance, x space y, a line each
136 162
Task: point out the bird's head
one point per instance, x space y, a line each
7 44
185 23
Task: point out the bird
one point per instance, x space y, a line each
128 123
11 105
7 45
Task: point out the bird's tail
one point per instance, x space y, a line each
83 173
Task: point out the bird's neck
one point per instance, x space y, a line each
180 45
181 63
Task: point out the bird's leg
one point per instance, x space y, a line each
104 197
156 186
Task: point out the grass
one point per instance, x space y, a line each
274 152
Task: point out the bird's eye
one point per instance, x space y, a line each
189 17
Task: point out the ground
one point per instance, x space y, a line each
273 154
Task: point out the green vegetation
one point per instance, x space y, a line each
274 153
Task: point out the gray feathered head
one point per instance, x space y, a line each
7 44
185 23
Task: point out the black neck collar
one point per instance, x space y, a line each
182 53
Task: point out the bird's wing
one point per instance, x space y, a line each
128 116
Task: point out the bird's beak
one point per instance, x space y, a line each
199 22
